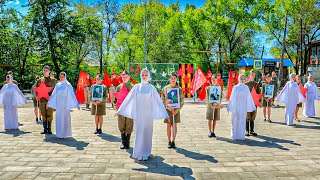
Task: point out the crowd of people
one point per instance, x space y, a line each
141 105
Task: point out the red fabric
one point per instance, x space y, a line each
115 81
199 80
121 96
43 91
106 81
221 83
80 87
120 79
190 69
180 72
303 90
202 94
232 81
256 97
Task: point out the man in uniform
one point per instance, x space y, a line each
251 116
125 124
47 112
87 91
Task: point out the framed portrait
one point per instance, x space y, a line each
173 99
268 91
257 64
215 94
97 92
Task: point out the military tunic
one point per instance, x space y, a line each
34 96
101 109
212 114
164 99
125 124
251 116
47 114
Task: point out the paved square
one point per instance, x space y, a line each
279 152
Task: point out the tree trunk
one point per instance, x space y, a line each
27 50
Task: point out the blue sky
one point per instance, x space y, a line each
18 4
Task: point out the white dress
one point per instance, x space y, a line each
239 104
143 105
291 96
63 100
10 98
312 95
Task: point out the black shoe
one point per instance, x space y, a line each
49 128
253 133
37 120
210 135
265 119
20 124
99 131
128 141
247 134
45 131
269 120
213 135
96 131
45 126
40 119
169 145
123 141
173 145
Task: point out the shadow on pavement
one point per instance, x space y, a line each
156 165
15 132
268 143
109 137
195 155
71 142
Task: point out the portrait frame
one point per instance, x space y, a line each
268 91
173 98
215 94
97 92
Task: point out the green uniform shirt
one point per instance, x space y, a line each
254 84
164 96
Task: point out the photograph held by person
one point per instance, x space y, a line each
47 112
125 125
10 98
36 103
172 128
266 101
143 104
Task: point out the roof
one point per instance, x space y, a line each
249 61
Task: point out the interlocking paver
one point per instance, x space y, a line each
279 152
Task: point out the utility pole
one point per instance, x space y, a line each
262 52
145 33
101 52
282 52
301 60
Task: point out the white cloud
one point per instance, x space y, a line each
17 2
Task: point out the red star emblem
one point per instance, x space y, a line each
121 96
43 91
189 69
180 73
256 97
186 79
303 90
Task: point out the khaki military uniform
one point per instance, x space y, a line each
101 108
34 96
125 124
263 100
47 114
251 116
164 99
212 114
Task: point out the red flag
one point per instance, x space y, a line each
43 91
199 80
203 93
303 90
80 87
230 85
121 96
256 97
106 80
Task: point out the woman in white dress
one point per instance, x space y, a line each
143 105
312 95
63 100
239 104
10 98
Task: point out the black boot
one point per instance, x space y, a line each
128 141
123 141
252 129
49 128
247 128
44 124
